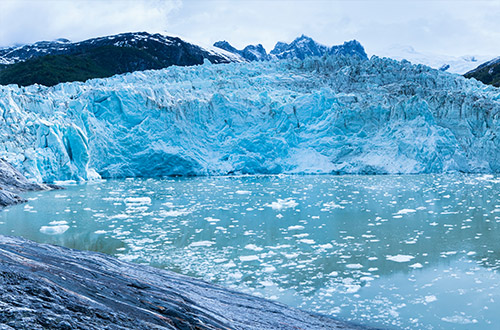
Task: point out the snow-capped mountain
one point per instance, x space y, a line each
167 48
304 46
488 73
301 48
250 52
337 114
101 57
453 64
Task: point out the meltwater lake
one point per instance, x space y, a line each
412 252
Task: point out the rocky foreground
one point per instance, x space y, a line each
12 182
50 287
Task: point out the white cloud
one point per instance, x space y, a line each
25 21
446 27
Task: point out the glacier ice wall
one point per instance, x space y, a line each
319 115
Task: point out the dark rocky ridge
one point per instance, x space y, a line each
166 49
487 73
49 287
51 62
12 182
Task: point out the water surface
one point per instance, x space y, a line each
416 252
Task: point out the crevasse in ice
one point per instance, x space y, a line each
318 115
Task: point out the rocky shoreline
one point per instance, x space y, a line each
12 182
50 287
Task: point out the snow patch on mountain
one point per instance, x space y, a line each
452 64
300 48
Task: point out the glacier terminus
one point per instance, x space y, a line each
329 114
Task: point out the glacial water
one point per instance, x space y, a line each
413 252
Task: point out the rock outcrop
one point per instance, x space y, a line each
50 287
13 182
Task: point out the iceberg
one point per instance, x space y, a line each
334 114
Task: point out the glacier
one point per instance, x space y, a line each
330 114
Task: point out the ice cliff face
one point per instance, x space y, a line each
328 115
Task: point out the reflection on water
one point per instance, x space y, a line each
415 252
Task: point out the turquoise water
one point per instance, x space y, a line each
416 252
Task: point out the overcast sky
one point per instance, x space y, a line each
442 27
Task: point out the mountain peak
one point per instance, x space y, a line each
304 46
250 52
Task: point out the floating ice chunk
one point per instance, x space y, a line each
253 247
298 227
243 192
60 196
100 232
174 213
307 241
202 243
249 258
65 182
354 266
54 230
406 211
138 200
399 258
429 299
416 265
459 319
120 216
333 205
269 269
349 286
60 222
281 204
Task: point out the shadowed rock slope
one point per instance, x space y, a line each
13 182
49 287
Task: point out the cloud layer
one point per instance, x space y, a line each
445 27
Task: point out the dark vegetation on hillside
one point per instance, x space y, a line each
100 62
488 73
50 63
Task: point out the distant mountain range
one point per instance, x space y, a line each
453 64
301 47
51 62
488 73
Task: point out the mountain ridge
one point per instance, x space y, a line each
49 63
487 73
300 48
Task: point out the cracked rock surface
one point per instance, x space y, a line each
50 287
13 182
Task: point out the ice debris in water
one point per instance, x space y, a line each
319 115
399 258
281 204
54 230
